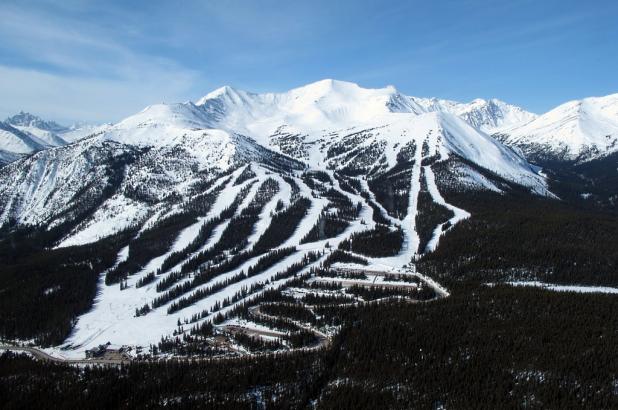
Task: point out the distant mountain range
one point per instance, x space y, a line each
577 130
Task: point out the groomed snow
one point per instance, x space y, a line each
113 216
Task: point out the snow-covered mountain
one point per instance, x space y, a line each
252 186
493 115
24 133
25 119
577 130
340 103
489 116
105 186
48 132
312 121
7 157
167 148
16 141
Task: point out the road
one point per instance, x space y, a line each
323 339
346 283
41 355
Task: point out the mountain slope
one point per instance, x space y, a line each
25 119
13 140
577 130
79 131
46 187
7 157
329 125
488 116
46 131
493 115
340 104
341 124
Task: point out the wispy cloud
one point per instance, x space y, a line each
62 67
69 98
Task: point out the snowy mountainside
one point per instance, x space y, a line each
195 280
24 133
330 125
440 135
326 104
315 121
332 103
492 115
489 116
77 132
15 141
39 188
241 195
102 176
577 130
48 132
7 157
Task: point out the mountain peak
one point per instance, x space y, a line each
330 103
317 89
479 101
25 119
225 91
329 85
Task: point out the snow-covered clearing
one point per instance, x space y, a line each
567 288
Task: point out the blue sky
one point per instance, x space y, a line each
102 61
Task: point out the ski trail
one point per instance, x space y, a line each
264 220
460 214
383 212
411 240
272 285
217 233
184 238
366 209
305 225
164 213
